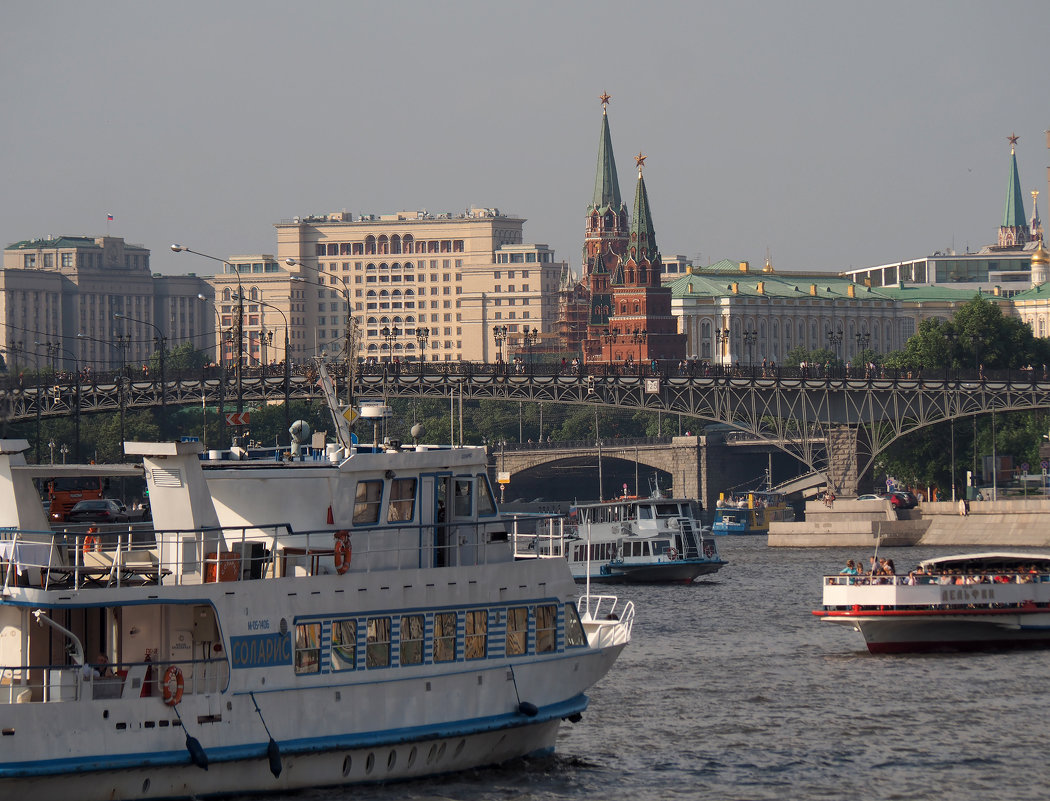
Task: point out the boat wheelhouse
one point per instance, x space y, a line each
644 540
750 513
961 602
377 627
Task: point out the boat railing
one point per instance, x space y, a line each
60 560
538 536
606 620
990 577
54 683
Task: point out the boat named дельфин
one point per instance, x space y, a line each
286 625
966 602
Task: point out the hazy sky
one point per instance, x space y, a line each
833 134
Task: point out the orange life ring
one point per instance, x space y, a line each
343 551
672 554
173 675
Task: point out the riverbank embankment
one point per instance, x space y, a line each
847 523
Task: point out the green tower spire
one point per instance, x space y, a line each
606 185
642 244
1013 216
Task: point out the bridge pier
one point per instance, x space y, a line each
843 459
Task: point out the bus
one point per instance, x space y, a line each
66 492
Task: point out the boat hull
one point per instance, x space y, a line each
913 631
679 572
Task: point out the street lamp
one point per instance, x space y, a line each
529 338
287 361
422 337
160 341
349 335
222 368
390 335
499 334
722 338
749 341
834 339
54 348
238 323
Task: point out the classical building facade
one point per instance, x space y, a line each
91 302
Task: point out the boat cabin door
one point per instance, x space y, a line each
449 513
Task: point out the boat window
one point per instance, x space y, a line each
411 640
308 648
444 636
366 503
477 634
486 504
546 628
574 636
645 513
377 651
402 500
463 497
667 510
517 630
660 546
344 644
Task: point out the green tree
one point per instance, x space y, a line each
181 357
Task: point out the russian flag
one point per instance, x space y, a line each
109 217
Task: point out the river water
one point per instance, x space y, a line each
731 689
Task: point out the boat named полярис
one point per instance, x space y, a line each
287 625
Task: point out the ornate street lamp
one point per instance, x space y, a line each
499 333
749 341
722 338
422 337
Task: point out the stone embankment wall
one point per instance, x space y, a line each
998 524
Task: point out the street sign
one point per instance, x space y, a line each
350 414
503 477
237 418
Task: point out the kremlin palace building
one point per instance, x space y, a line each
450 287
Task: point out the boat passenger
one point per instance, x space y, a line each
849 570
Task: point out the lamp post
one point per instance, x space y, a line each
221 347
76 405
390 335
238 322
722 338
834 339
161 342
287 362
422 337
349 335
499 334
749 341
529 338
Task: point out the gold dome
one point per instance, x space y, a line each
1040 256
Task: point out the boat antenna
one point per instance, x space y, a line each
878 540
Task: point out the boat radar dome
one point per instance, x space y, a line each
300 433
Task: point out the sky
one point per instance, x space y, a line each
829 135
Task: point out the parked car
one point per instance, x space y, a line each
901 500
869 498
910 497
98 511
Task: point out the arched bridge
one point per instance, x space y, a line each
836 422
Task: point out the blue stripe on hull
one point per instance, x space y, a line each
310 745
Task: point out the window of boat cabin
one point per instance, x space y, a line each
475 644
546 628
308 648
661 546
444 636
645 512
463 497
667 510
367 501
517 630
574 636
344 644
486 501
411 640
402 500
377 647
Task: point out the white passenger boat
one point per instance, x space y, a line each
252 646
966 602
632 540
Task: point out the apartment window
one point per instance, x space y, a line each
29 260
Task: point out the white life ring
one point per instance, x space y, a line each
672 554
